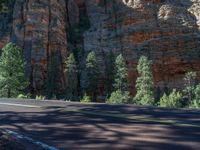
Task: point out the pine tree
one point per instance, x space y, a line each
195 103
197 92
110 73
12 72
92 73
190 79
71 70
144 83
121 73
121 94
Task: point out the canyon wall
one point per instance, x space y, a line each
167 31
39 28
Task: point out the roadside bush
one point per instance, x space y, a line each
22 96
119 97
40 97
195 103
174 100
86 99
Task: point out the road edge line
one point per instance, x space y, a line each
20 105
30 140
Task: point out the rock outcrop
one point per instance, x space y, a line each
39 27
167 31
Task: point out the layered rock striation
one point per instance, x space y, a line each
167 31
164 30
39 28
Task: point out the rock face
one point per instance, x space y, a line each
167 31
39 27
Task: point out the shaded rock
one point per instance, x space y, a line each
167 31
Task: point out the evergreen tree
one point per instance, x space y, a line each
71 70
190 79
110 73
121 94
195 103
121 73
12 72
197 92
144 83
92 73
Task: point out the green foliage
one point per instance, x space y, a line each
23 96
71 70
190 79
110 73
121 73
119 97
144 83
92 73
40 97
174 100
86 99
195 103
12 71
197 92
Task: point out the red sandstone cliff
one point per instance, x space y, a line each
167 31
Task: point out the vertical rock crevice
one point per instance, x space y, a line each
166 31
39 28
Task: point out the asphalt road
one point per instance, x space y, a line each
74 126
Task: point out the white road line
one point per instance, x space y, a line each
35 142
20 105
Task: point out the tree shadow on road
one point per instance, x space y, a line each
73 130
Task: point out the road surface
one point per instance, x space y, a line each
74 126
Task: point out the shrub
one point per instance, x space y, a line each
86 99
22 96
173 100
119 97
40 97
195 103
